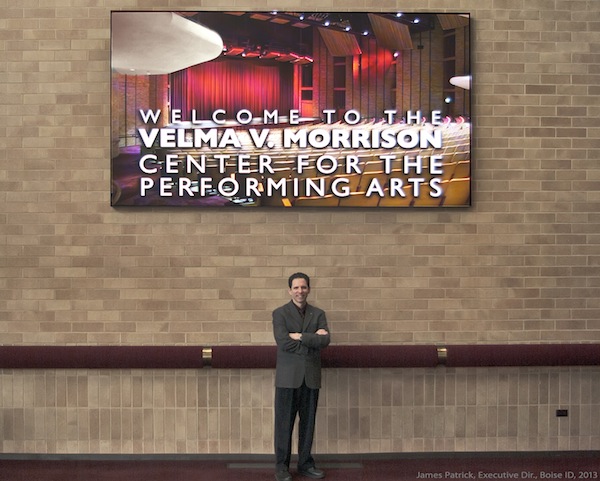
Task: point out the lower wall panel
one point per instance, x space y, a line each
360 410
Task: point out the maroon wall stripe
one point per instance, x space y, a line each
344 356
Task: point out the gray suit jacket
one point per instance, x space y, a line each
299 360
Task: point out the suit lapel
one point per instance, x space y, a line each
295 317
307 318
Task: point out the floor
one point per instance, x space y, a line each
479 466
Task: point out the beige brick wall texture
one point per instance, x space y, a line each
519 266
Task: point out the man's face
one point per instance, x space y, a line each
299 291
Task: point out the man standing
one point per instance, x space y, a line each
301 332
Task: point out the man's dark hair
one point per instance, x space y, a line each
299 275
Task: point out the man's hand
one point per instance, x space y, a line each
322 332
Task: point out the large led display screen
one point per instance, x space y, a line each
290 109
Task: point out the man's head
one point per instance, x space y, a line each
299 288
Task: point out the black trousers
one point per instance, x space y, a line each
289 403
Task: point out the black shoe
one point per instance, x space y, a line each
283 475
312 473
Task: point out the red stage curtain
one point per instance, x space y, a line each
232 85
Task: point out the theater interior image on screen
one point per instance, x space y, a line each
290 109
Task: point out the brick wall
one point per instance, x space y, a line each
520 266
